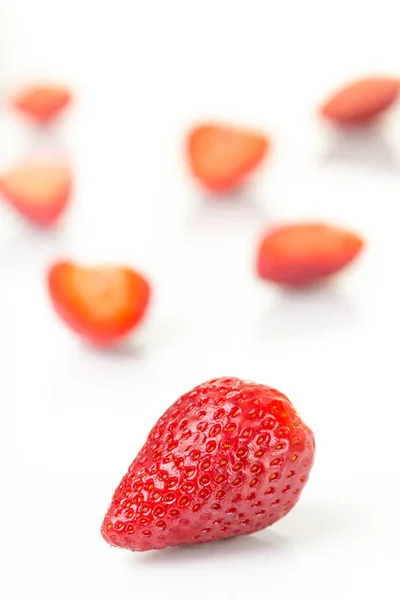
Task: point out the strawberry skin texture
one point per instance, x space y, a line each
228 458
362 101
302 254
102 304
221 157
39 191
43 103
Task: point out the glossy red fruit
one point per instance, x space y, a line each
101 304
39 190
221 157
229 457
362 101
305 253
43 103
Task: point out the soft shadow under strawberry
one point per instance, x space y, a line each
363 147
302 312
261 544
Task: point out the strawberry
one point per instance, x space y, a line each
39 190
43 103
221 157
101 304
305 253
227 458
362 101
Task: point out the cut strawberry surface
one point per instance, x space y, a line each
101 304
302 254
221 157
39 190
43 103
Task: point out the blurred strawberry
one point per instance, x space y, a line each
221 157
39 190
362 101
42 103
101 304
305 253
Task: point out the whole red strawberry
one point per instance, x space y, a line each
228 458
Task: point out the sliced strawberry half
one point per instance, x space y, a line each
221 157
101 304
39 190
361 101
42 103
301 254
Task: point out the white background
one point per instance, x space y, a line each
73 418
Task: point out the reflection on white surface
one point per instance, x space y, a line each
242 208
363 147
319 311
260 547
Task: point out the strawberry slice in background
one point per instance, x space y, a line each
302 254
362 101
221 157
101 304
42 103
38 190
230 457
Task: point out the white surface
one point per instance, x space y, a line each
74 418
